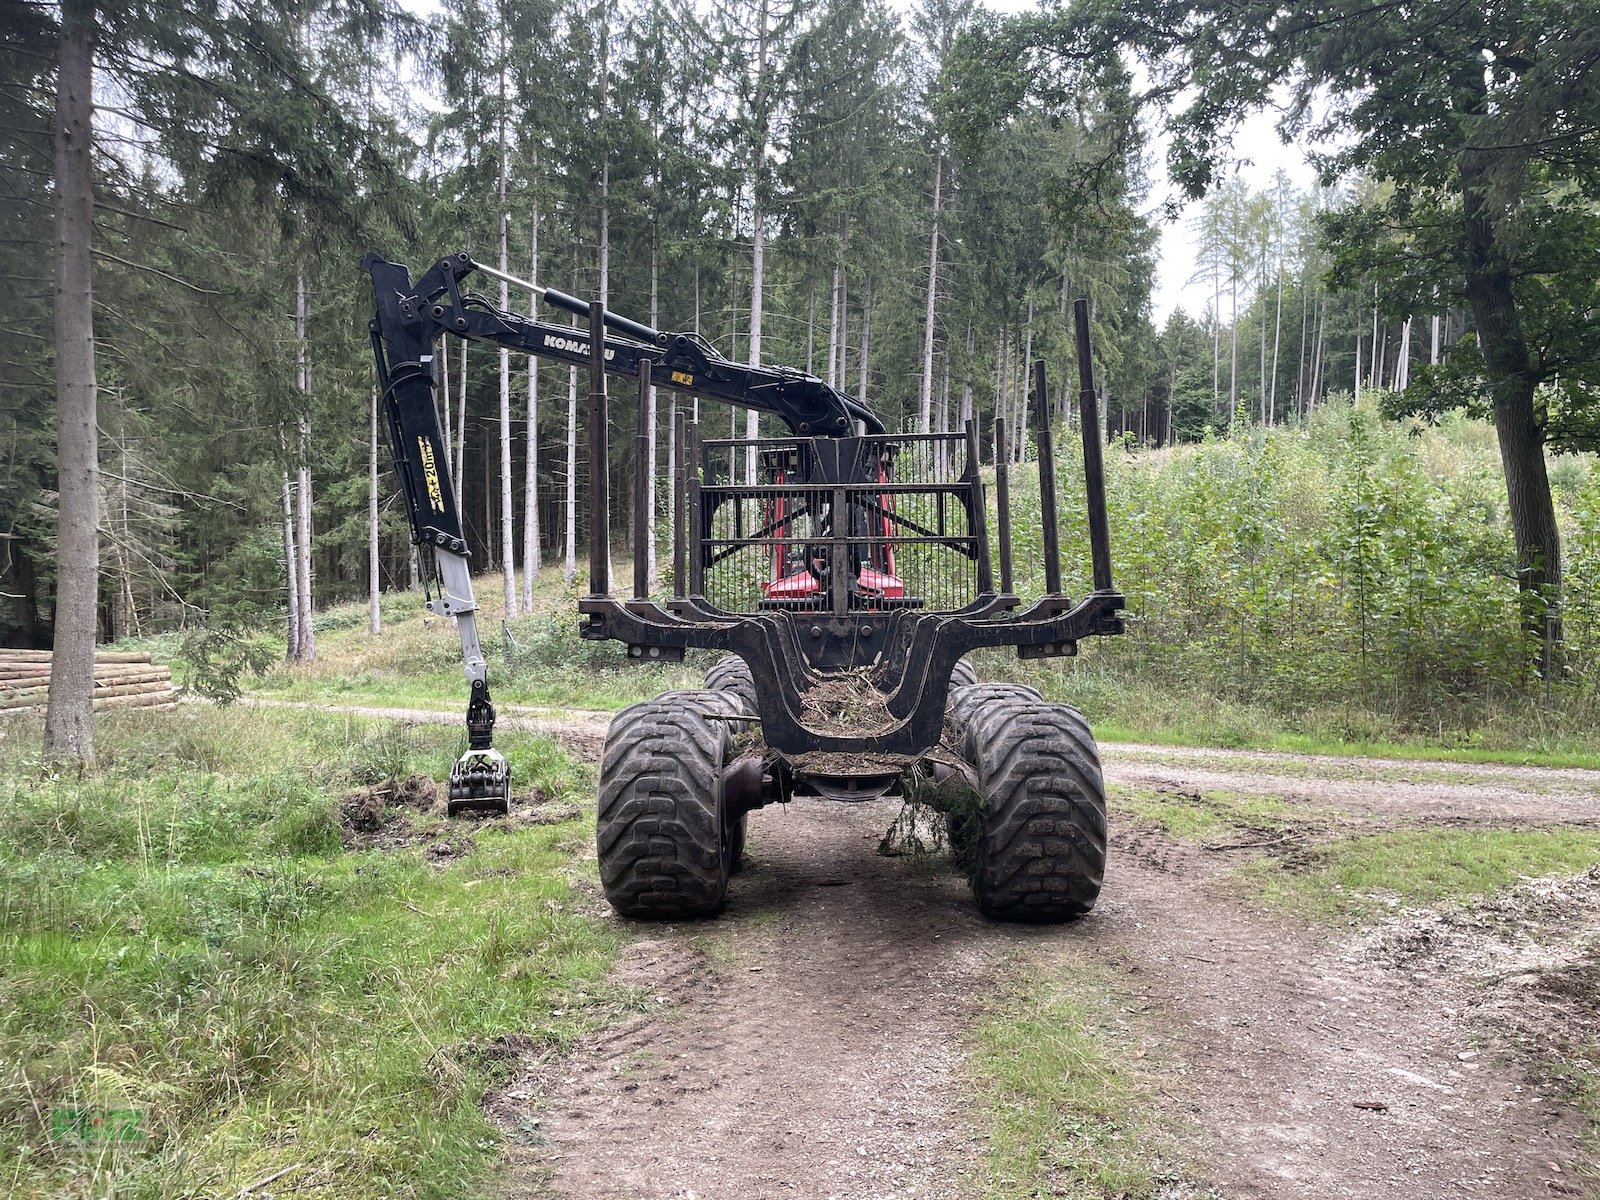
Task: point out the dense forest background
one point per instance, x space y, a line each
902 203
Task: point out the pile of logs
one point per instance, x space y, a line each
121 680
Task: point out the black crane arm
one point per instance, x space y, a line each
437 304
409 319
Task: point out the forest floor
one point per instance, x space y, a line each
1307 976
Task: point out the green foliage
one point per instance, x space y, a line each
1352 566
215 658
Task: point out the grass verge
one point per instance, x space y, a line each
1358 877
184 937
1067 1111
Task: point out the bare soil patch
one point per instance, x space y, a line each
810 1043
400 813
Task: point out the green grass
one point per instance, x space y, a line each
182 932
1360 876
1126 704
1195 819
1066 1111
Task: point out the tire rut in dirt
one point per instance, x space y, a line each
659 832
1040 849
809 1044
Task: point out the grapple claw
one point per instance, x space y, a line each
480 782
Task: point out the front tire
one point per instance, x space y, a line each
665 850
1039 843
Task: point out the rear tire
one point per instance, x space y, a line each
1039 845
966 702
665 850
963 675
731 676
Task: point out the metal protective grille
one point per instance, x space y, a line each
781 516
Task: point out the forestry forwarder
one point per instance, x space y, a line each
843 570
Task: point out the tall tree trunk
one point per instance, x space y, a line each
441 387
1300 363
930 311
290 569
508 508
374 575
866 341
966 377
69 726
1316 356
1512 375
758 231
1233 350
833 331
1433 349
1019 437
1277 337
308 636
844 305
811 322
1402 364
532 549
1216 341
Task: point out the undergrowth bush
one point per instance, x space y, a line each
1352 563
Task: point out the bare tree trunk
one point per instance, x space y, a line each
1216 340
758 238
811 323
966 378
508 508
1000 373
1509 363
290 558
1019 438
68 726
1300 363
1433 350
844 305
308 636
1277 337
1233 350
866 341
833 331
1261 280
532 550
1316 356
1402 366
374 575
930 311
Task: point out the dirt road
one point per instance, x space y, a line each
814 1041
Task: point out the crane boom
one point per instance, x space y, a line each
411 316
